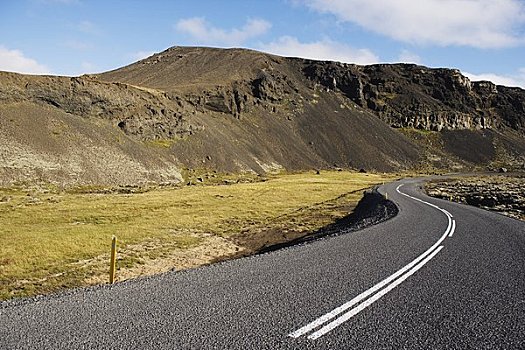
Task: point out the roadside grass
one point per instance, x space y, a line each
51 240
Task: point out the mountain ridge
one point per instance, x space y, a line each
239 110
372 86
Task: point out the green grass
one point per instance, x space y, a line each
47 235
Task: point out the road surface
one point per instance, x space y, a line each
438 275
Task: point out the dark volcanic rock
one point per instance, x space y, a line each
403 95
147 115
407 95
503 194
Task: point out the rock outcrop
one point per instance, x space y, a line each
407 95
503 194
145 114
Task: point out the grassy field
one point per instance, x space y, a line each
52 240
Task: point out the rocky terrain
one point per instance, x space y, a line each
408 95
235 110
404 95
503 194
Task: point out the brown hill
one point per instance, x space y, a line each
406 96
246 111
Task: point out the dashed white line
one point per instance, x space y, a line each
380 289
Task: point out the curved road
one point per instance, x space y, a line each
438 275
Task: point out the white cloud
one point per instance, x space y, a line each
139 55
88 27
15 61
205 33
475 23
409 57
320 50
517 79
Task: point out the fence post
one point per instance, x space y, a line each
112 263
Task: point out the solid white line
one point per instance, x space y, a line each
326 317
419 200
335 312
323 319
371 300
422 201
453 228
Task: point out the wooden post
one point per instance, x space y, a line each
112 263
386 195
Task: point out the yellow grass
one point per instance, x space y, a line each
46 236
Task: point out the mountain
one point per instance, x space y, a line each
238 110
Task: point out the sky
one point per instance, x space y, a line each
485 39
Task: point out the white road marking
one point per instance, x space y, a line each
323 319
453 228
395 279
422 201
372 299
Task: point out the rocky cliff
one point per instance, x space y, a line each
407 95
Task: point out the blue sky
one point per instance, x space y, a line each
485 39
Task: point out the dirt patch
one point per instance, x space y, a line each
209 250
372 209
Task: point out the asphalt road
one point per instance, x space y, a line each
422 280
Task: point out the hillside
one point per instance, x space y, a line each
237 110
